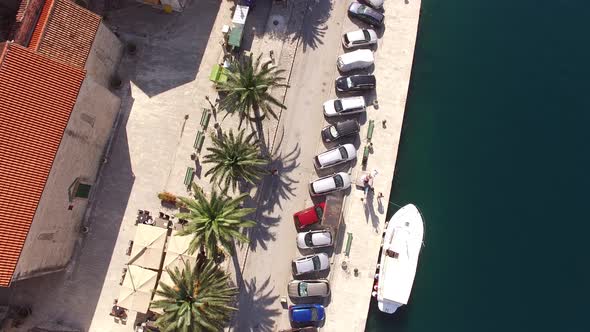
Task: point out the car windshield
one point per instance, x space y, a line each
338 105
316 263
367 35
302 289
338 181
343 152
333 131
319 211
346 40
308 240
349 82
314 314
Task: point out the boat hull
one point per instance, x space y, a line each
399 258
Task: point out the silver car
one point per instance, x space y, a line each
314 239
329 184
308 288
345 106
359 38
335 156
311 263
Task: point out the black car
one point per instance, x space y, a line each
366 14
340 129
355 83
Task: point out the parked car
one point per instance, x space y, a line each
312 263
339 130
345 106
329 184
366 14
359 38
377 4
309 216
335 156
307 314
359 59
314 239
355 83
308 288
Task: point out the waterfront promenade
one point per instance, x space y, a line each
364 219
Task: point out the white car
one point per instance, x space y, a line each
345 106
335 156
358 59
377 4
314 239
358 38
311 263
329 184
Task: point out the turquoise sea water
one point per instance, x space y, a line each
495 152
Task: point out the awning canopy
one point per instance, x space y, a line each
148 246
137 289
235 36
240 15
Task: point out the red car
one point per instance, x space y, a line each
309 216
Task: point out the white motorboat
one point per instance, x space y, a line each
399 258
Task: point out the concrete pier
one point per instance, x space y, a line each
364 217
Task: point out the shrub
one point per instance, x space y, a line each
167 197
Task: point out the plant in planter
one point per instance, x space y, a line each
167 197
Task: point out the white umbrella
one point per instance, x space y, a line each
138 286
148 246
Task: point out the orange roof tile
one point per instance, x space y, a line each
65 32
38 95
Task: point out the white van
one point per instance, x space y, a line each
358 59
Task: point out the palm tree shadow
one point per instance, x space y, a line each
255 303
313 28
279 187
261 233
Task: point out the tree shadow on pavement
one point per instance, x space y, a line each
279 186
255 303
314 27
314 13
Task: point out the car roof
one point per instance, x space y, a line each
365 79
324 184
321 237
353 102
309 215
347 126
356 35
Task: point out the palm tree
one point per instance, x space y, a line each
234 158
248 88
199 299
214 222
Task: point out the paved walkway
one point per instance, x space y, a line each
351 295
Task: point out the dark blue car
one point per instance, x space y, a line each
306 314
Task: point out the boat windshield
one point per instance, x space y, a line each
316 263
302 289
338 181
343 152
338 105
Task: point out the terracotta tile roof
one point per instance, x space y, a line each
65 32
38 95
